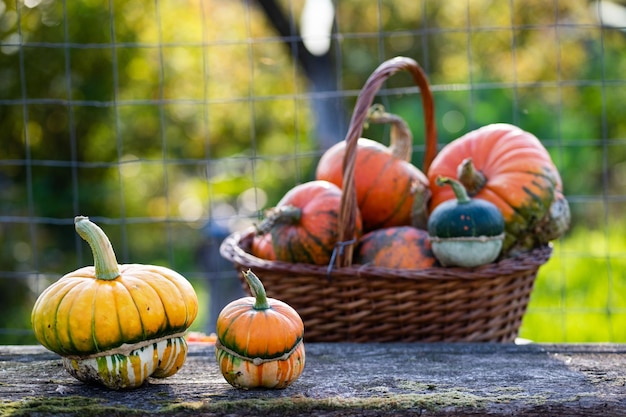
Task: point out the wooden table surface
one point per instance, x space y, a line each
345 380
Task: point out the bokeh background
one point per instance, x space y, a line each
173 123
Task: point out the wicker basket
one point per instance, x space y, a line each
342 302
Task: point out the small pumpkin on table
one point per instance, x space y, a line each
259 340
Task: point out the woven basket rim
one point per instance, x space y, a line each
235 248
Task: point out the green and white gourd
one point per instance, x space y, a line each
129 367
465 232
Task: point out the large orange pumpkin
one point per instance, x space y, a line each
509 167
390 191
304 225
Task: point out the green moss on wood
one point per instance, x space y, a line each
413 395
65 405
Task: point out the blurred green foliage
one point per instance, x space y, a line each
580 294
153 117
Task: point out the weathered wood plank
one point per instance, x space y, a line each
346 379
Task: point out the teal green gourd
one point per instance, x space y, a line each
465 232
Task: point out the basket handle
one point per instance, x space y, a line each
347 215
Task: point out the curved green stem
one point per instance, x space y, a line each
457 187
103 255
279 215
257 289
401 141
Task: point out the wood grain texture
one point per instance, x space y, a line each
346 379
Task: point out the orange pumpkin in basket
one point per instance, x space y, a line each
262 247
390 191
399 247
304 225
509 167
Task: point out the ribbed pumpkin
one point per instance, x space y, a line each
116 324
398 247
390 190
466 232
259 340
305 223
509 167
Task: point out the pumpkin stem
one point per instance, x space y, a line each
457 187
257 289
103 255
401 139
284 214
472 179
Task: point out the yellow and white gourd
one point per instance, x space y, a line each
116 325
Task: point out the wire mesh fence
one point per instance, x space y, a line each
173 124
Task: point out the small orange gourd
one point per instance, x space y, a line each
259 340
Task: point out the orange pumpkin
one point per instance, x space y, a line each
262 247
399 247
509 167
259 340
390 191
305 223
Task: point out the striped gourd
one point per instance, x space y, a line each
128 368
259 341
